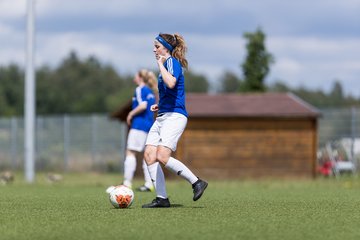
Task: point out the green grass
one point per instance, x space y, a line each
78 208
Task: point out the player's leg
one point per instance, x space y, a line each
148 185
129 167
155 171
174 165
132 147
157 177
183 171
129 170
173 127
135 143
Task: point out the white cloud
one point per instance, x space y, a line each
66 8
305 62
294 35
316 62
95 8
10 9
222 49
16 56
127 53
312 48
288 68
5 29
12 45
129 7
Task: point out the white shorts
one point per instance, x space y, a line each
166 130
136 140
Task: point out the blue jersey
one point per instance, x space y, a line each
144 120
172 100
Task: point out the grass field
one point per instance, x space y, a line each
78 208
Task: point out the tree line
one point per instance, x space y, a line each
87 85
77 85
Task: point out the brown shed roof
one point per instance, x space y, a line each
239 105
249 105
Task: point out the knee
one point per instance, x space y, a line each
162 157
149 156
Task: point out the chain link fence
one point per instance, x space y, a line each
97 143
339 141
65 143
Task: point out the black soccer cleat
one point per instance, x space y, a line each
199 187
158 203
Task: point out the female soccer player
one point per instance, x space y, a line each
140 119
171 119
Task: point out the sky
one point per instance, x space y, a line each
313 43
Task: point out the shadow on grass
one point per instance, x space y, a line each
176 205
171 206
182 206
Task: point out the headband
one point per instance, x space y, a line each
164 43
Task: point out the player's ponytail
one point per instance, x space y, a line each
179 47
142 74
151 81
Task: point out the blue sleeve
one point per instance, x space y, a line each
173 67
139 95
143 94
147 95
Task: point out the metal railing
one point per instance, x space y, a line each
97 143
67 143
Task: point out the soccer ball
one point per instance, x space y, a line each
121 196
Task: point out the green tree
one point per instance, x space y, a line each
318 98
336 94
230 83
11 90
257 63
123 94
196 83
278 87
78 86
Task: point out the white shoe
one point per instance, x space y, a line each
144 188
110 189
127 183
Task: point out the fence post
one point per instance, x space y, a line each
124 133
14 130
353 136
40 143
93 139
66 142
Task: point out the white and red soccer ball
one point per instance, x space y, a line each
121 196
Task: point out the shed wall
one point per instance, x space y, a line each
258 147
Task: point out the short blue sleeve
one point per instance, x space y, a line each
147 95
173 67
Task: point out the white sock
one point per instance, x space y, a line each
158 179
129 169
180 169
148 182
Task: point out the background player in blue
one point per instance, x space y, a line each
171 120
140 119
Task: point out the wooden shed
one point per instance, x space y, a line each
249 135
